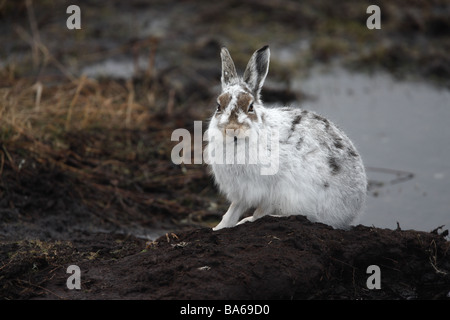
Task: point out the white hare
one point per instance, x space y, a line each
320 174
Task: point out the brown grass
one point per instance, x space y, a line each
38 110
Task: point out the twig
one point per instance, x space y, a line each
435 231
130 102
26 37
2 161
40 287
8 156
433 258
35 32
171 102
38 87
6 264
436 269
151 57
72 103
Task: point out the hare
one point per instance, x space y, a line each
319 173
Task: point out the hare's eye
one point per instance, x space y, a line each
218 107
250 108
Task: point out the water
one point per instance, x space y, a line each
401 131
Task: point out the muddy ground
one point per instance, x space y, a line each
272 258
86 176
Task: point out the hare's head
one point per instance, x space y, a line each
238 104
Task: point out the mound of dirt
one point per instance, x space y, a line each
271 258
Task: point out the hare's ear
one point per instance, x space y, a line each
257 69
229 74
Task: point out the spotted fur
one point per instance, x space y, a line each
320 174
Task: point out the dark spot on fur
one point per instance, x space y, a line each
223 100
233 118
337 140
243 102
352 152
326 185
295 122
338 144
320 118
334 165
299 143
317 117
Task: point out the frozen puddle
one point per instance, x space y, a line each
401 130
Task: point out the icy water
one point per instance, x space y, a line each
401 130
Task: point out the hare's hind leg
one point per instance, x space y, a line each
248 219
231 217
259 212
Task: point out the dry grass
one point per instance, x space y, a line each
40 111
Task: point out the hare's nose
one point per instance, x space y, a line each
232 130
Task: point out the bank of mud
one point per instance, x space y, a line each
272 258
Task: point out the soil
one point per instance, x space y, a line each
272 258
86 176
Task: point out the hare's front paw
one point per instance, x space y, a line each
218 227
223 224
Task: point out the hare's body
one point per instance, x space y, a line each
319 172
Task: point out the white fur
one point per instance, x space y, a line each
320 174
